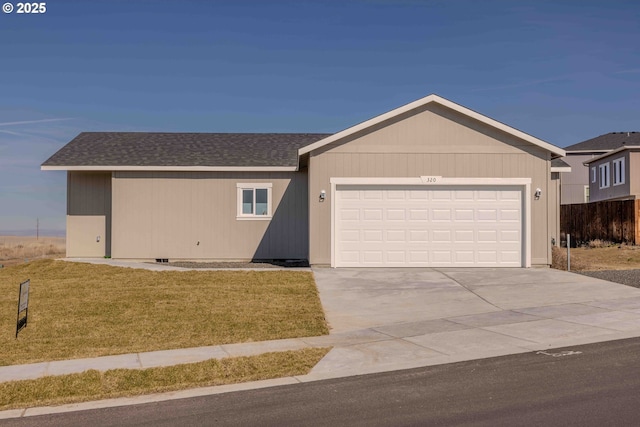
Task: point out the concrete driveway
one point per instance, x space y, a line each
400 318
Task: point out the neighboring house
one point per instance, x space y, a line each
575 185
429 184
615 175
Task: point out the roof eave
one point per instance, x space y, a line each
556 151
172 168
611 153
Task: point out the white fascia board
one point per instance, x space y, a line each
173 168
444 102
611 153
561 169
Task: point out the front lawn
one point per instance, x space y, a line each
81 310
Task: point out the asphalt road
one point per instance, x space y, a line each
592 385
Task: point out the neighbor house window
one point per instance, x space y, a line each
604 175
254 200
593 174
618 171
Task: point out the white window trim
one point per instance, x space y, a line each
253 186
594 175
620 165
605 175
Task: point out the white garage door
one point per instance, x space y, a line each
418 226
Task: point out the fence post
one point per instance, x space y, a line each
568 252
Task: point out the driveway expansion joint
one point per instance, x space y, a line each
468 289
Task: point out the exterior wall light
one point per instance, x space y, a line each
537 194
323 195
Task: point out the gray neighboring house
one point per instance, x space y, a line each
615 175
575 185
428 184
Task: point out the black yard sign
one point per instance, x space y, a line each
23 306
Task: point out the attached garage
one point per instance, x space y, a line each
432 184
430 222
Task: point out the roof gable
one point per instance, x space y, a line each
556 151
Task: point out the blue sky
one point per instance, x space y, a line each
561 71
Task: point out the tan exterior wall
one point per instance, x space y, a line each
192 215
88 214
554 209
634 173
86 236
573 182
432 141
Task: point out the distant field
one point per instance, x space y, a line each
17 249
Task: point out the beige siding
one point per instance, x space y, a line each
573 182
633 173
192 215
435 141
86 236
554 209
88 195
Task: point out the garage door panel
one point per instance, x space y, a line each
349 215
428 227
396 214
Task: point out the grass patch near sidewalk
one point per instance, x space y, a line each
79 310
95 385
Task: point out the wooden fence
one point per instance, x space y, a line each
614 221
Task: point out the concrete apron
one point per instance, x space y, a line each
388 319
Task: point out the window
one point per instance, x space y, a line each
254 201
618 171
593 174
604 175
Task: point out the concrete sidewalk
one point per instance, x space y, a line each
385 320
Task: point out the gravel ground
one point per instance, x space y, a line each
626 277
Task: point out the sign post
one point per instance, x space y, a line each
23 306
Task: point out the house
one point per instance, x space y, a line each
428 184
575 184
615 175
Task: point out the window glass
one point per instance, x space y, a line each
247 201
604 175
261 201
618 171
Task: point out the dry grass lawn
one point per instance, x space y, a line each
614 257
93 385
15 249
81 310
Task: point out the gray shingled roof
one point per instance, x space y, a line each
183 149
559 163
606 142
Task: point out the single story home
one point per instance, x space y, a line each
428 184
